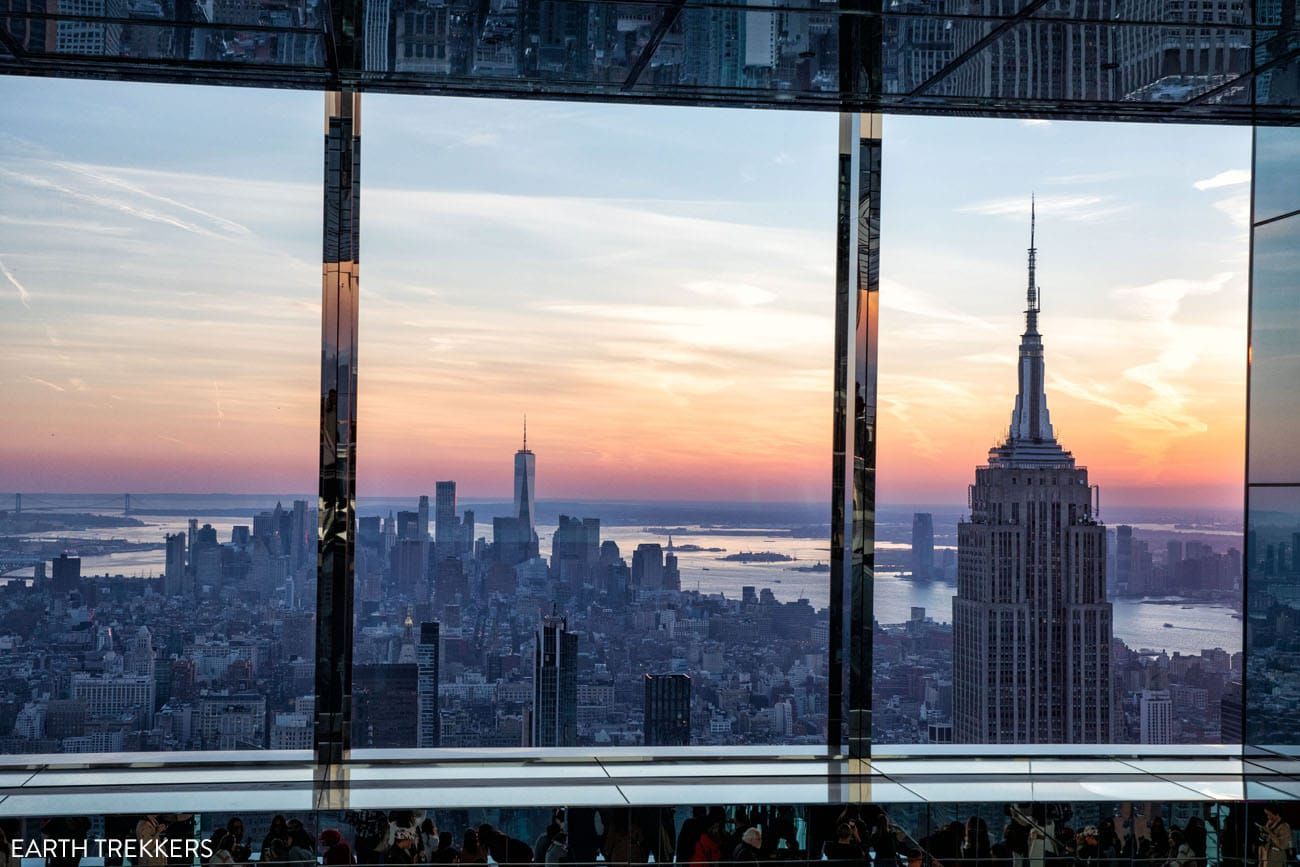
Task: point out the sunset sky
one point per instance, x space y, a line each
653 287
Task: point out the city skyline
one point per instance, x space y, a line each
651 371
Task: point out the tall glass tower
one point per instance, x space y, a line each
525 484
555 685
1031 622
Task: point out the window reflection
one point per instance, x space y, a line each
1277 151
1273 594
1275 353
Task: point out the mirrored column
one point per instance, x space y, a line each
853 509
1271 719
338 446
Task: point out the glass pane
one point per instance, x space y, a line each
1273 590
1083 62
1234 12
1277 188
611 46
154 40
650 564
159 337
1059 530
1275 353
1278 86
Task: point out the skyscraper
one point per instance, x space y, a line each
175 578
1124 560
426 655
408 525
1031 623
526 484
385 705
300 545
923 545
444 517
1156 715
409 566
555 685
423 512
667 710
648 566
66 573
575 549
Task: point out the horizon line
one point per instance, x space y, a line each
507 499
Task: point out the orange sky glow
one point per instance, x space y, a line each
662 347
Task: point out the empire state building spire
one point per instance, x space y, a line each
1030 438
1031 626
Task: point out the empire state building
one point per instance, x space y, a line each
1031 622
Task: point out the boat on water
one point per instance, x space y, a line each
1169 626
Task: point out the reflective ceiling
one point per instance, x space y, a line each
1179 60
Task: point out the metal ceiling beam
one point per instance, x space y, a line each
667 18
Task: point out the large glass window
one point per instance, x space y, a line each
1273 495
158 341
648 566
1059 535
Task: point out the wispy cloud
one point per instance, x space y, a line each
1235 208
1229 178
46 383
216 397
23 295
80 226
121 205
1084 178
743 294
905 299
1160 301
103 177
1076 208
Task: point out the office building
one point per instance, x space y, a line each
1031 622
111 695
1124 579
177 580
453 535
301 551
575 548
555 685
667 710
386 705
409 566
291 731
923 546
65 573
232 721
648 567
1230 715
525 505
427 659
408 525
1157 717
